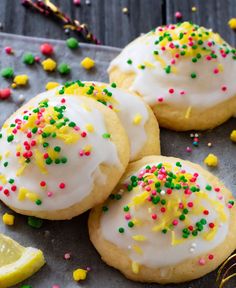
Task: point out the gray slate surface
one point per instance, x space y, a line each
111 26
57 238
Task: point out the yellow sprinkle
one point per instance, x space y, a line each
40 161
135 267
8 219
188 112
13 85
211 160
21 80
232 23
8 153
32 196
140 238
233 136
149 64
194 9
21 169
79 274
3 179
137 119
51 85
87 63
137 249
49 65
140 198
89 128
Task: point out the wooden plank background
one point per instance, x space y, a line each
114 28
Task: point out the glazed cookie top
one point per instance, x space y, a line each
50 153
131 110
182 64
166 213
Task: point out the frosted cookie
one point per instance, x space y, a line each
60 156
137 117
184 72
168 220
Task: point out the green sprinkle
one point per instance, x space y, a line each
57 161
193 75
52 121
118 196
121 230
28 59
45 144
130 224
64 69
168 69
155 52
48 161
129 61
106 135
194 233
72 43
5 164
57 148
208 187
203 221
104 208
163 201
182 217
164 231
63 160
178 164
126 208
7 73
185 211
34 222
38 202
194 60
10 138
113 85
34 130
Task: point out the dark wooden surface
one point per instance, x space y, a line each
114 28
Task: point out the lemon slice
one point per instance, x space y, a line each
17 263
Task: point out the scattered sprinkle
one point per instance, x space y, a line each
5 93
28 59
232 23
63 69
79 274
7 72
34 222
51 85
49 65
46 49
8 219
87 63
211 160
72 43
233 136
20 80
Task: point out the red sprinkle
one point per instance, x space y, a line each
5 93
8 50
46 49
62 185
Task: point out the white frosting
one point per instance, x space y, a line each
153 83
79 174
128 107
157 249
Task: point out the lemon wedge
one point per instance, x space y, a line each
17 263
